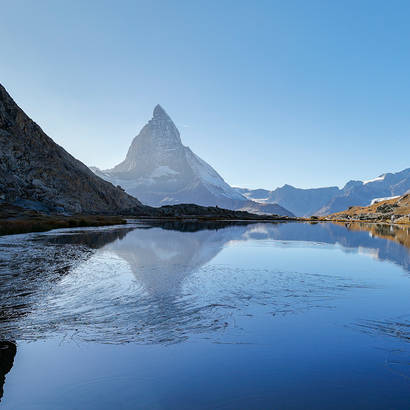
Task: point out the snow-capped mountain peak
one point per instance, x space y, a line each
163 170
160 170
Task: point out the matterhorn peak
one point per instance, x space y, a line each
160 170
159 112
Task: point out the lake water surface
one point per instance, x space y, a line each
208 316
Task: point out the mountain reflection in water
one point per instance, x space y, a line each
72 283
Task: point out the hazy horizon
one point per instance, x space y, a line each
308 95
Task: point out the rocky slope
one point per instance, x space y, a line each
327 200
362 193
395 210
37 173
160 170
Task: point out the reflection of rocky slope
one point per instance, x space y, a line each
160 170
195 226
396 233
36 172
29 269
349 237
92 238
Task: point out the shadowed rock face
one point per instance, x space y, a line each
36 172
7 352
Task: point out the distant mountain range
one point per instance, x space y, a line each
160 170
37 173
328 200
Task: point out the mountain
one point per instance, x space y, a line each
302 202
395 210
37 173
160 170
362 193
327 200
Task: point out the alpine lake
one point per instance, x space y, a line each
212 315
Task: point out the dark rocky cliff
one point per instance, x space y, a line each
36 172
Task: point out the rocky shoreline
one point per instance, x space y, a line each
392 211
14 219
27 223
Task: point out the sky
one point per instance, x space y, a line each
306 93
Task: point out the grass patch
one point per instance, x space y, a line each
46 223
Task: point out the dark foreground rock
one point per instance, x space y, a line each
7 353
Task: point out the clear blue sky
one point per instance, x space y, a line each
309 93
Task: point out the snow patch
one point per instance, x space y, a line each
163 171
377 200
380 178
210 177
249 196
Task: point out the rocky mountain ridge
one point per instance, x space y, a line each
37 173
328 200
396 210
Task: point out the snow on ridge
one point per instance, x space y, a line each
210 177
377 200
248 195
380 178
